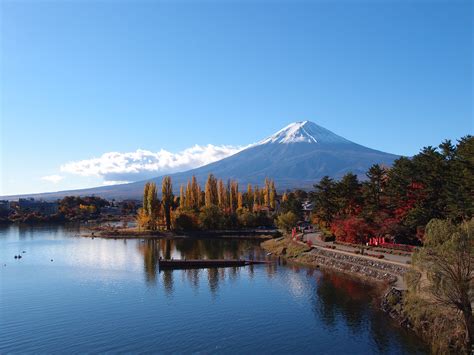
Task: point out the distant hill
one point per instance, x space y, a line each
297 156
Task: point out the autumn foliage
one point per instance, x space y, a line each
398 202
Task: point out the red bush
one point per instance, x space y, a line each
351 230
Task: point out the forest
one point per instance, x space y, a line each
398 202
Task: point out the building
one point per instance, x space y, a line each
5 205
307 207
30 205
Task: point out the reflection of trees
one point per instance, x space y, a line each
168 281
199 249
149 249
166 247
215 248
213 279
54 230
337 295
192 276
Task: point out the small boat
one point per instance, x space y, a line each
204 263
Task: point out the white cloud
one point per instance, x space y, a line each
53 178
117 167
114 182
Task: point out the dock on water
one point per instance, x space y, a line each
204 263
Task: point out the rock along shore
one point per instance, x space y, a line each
365 267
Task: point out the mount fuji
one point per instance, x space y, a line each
297 156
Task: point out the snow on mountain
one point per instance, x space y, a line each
304 132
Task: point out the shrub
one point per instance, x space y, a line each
211 218
286 221
185 221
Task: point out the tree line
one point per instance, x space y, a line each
219 205
437 183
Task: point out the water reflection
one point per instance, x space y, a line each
152 250
268 304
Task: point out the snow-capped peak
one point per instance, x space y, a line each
303 132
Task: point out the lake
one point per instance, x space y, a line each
71 294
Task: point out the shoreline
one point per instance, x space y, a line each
366 268
132 233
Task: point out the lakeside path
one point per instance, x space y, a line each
316 240
344 258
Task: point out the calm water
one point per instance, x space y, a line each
109 296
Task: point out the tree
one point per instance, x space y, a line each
266 191
460 182
147 216
286 221
348 194
222 195
249 199
184 221
374 186
167 198
211 217
325 205
142 218
211 195
447 259
145 198
291 203
246 218
272 196
233 192
153 206
240 201
196 194
351 230
182 198
256 198
189 195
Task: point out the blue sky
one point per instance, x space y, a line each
80 79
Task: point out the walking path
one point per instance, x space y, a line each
315 239
372 262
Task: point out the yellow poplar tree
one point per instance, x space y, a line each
167 197
182 198
211 197
240 200
189 195
145 198
222 195
153 207
272 195
196 192
256 197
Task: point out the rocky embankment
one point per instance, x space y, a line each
342 261
392 304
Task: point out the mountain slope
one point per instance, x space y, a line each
297 156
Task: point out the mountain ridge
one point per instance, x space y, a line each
297 156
